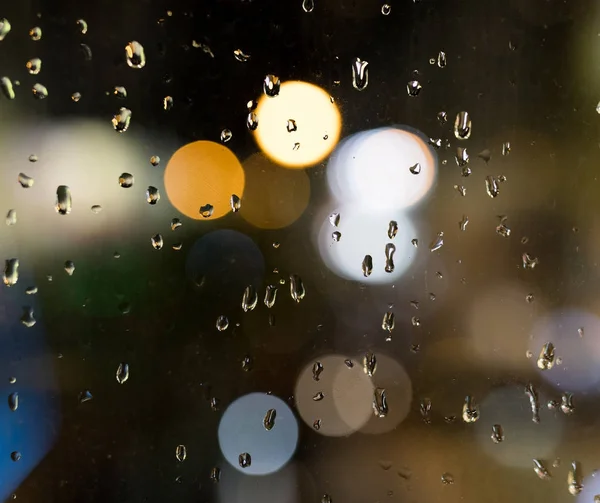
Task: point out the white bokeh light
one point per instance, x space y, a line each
365 232
373 169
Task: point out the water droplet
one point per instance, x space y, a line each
222 323
461 157
336 236
386 9
13 401
506 148
389 321
462 225
462 126
76 97
349 363
425 409
252 121
245 460
580 331
414 242
503 230
390 249
28 317
318 396
317 370
120 92
461 189
215 474
5 83
207 210
441 59
447 478
64 200
86 51
369 363
442 117
360 74
465 171
392 229
271 85
177 246
35 33
437 242
566 403
155 160
121 120
39 91
126 180
326 499
226 135
297 290
134 55
367 266
34 66
534 402
413 88
11 217
85 396
157 241
270 296
380 406
122 373
415 169
540 470
249 299
529 298
152 195
308 5
25 181
497 433
181 453
247 363
491 186
11 271
82 25
15 456
574 483
546 359
470 410
529 262
241 56
70 267
4 28
167 103
269 419
235 202
435 143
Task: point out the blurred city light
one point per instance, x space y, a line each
299 127
241 430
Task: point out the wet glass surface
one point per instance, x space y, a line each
300 251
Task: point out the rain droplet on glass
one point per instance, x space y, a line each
491 186
249 299
297 290
470 410
308 5
76 97
271 85
121 120
317 370
82 25
529 262
157 241
497 433
25 181
336 236
70 267
39 91
35 33
126 180
462 225
13 401
367 266
291 126
4 28
380 406
226 135
386 9
245 460
167 103
574 483
413 88
7 86
360 74
122 373
64 201
390 249
34 66
134 55
252 121
222 323
241 56
152 195
15 456
389 321
181 453
120 92
269 419
235 202
566 403
270 296
462 126
415 169
534 402
28 317
437 242
369 363
441 59
11 271
206 210
506 148
11 217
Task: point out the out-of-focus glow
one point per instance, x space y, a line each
241 430
591 488
223 263
274 197
317 122
392 377
580 354
292 484
364 232
373 168
200 173
499 323
523 439
347 396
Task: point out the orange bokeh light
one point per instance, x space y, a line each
299 127
200 173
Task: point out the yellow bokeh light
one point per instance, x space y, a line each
203 173
274 197
299 127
